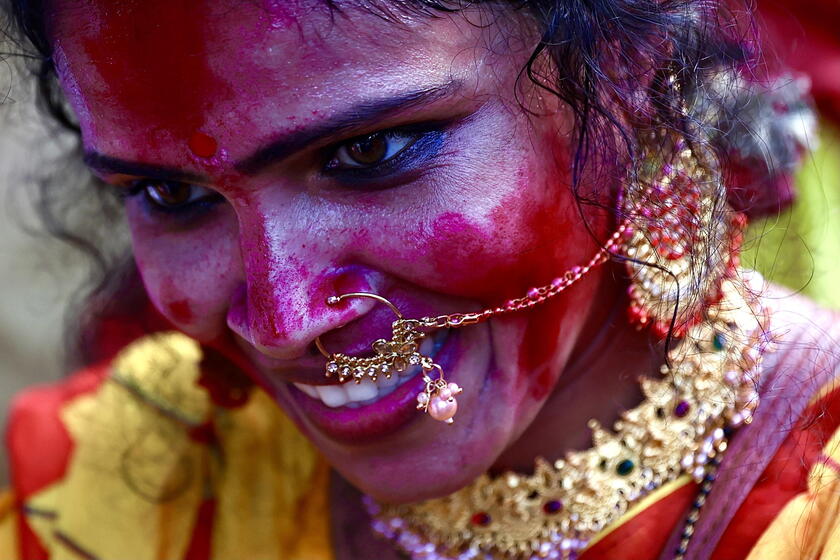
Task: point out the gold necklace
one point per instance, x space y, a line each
708 387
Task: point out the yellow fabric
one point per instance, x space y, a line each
136 479
272 489
8 527
809 525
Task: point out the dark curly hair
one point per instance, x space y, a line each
592 54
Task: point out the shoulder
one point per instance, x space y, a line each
802 329
805 362
37 434
39 447
62 438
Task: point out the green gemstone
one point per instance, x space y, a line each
625 467
718 341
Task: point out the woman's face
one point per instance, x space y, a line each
242 132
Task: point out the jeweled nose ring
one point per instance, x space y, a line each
403 350
394 356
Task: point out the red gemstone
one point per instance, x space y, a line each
481 519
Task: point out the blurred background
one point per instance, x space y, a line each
39 276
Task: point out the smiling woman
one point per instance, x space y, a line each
349 214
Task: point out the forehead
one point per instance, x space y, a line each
162 70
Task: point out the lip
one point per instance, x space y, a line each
381 418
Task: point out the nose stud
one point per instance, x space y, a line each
392 357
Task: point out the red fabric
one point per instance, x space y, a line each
645 535
802 34
784 478
201 543
38 444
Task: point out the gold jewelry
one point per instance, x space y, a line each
685 238
402 351
707 388
396 355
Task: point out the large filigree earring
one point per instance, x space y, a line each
685 239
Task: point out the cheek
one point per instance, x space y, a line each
190 276
509 236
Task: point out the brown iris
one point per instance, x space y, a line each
169 193
368 150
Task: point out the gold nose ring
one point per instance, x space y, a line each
392 357
335 300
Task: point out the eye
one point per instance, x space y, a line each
371 150
171 195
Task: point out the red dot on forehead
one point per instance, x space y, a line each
203 145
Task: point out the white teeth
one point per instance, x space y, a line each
308 389
362 391
354 394
332 395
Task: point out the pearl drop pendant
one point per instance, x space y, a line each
438 398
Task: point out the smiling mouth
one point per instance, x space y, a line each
367 391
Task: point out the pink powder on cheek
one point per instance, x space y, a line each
467 258
287 13
172 301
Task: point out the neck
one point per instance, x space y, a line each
599 383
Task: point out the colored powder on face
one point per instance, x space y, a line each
203 145
153 56
180 311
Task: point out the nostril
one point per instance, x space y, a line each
312 349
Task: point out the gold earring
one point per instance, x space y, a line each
394 356
683 228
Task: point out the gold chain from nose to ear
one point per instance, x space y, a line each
534 296
402 351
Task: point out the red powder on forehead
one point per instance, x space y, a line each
152 56
203 145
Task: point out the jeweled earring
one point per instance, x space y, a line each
685 239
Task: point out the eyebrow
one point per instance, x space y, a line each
352 119
110 165
286 144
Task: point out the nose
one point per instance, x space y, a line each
289 272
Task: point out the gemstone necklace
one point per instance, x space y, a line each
706 390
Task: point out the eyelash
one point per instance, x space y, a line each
425 145
186 210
